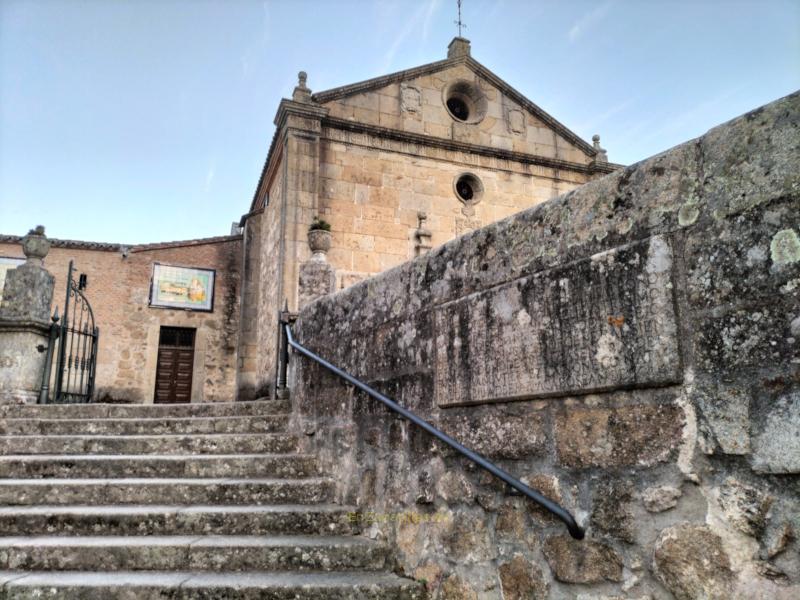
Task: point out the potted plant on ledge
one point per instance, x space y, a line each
319 238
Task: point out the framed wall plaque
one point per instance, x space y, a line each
184 288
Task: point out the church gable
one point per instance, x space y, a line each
457 100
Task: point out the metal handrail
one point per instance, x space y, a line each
575 530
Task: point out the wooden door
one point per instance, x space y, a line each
175 361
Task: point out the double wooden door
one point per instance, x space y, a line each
175 362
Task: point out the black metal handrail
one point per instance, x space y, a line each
575 530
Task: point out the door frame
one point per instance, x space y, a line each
193 348
199 367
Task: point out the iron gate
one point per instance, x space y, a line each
72 353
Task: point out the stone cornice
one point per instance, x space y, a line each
384 80
258 197
25 325
465 147
289 108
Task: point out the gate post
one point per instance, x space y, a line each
25 323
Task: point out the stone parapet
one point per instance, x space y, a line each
630 348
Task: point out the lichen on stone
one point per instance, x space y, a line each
785 247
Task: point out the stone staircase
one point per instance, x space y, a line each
175 501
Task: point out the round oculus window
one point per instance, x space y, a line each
468 188
465 102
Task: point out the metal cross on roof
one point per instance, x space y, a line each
459 22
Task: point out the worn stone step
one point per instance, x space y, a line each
330 519
222 443
147 585
44 466
203 553
94 492
123 411
145 426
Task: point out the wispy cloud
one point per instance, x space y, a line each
588 20
596 121
699 113
433 6
212 170
255 50
420 19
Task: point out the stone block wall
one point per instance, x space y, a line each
373 199
118 290
630 348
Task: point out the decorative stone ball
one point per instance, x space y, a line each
35 245
319 241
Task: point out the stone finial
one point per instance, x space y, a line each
28 289
35 245
458 47
301 91
601 155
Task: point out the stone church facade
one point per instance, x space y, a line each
396 165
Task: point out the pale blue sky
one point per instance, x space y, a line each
149 120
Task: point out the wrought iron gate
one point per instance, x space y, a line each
72 353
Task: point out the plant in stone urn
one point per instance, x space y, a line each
35 245
319 238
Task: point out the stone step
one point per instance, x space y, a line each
223 443
46 466
189 553
125 411
145 426
147 585
330 519
95 492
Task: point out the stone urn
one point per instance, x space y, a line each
35 245
319 240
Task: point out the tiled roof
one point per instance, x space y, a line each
113 247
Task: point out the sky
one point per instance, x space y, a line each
137 121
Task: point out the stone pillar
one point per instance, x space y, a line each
248 352
317 276
25 323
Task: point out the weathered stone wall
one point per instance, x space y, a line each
119 288
647 326
276 235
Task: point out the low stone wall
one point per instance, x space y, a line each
646 327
